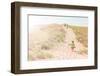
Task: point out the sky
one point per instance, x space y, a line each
37 21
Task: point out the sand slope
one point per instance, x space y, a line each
53 42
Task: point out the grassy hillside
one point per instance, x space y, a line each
50 42
81 34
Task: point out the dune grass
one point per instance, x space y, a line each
57 36
39 54
81 34
82 37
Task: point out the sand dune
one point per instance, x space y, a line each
53 42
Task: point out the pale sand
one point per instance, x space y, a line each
61 51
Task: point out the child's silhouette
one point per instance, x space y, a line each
72 45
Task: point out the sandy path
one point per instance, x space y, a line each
64 51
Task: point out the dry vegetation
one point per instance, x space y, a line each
50 41
82 36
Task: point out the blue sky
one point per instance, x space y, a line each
37 21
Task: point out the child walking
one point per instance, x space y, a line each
72 46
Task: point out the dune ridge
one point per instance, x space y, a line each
53 42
